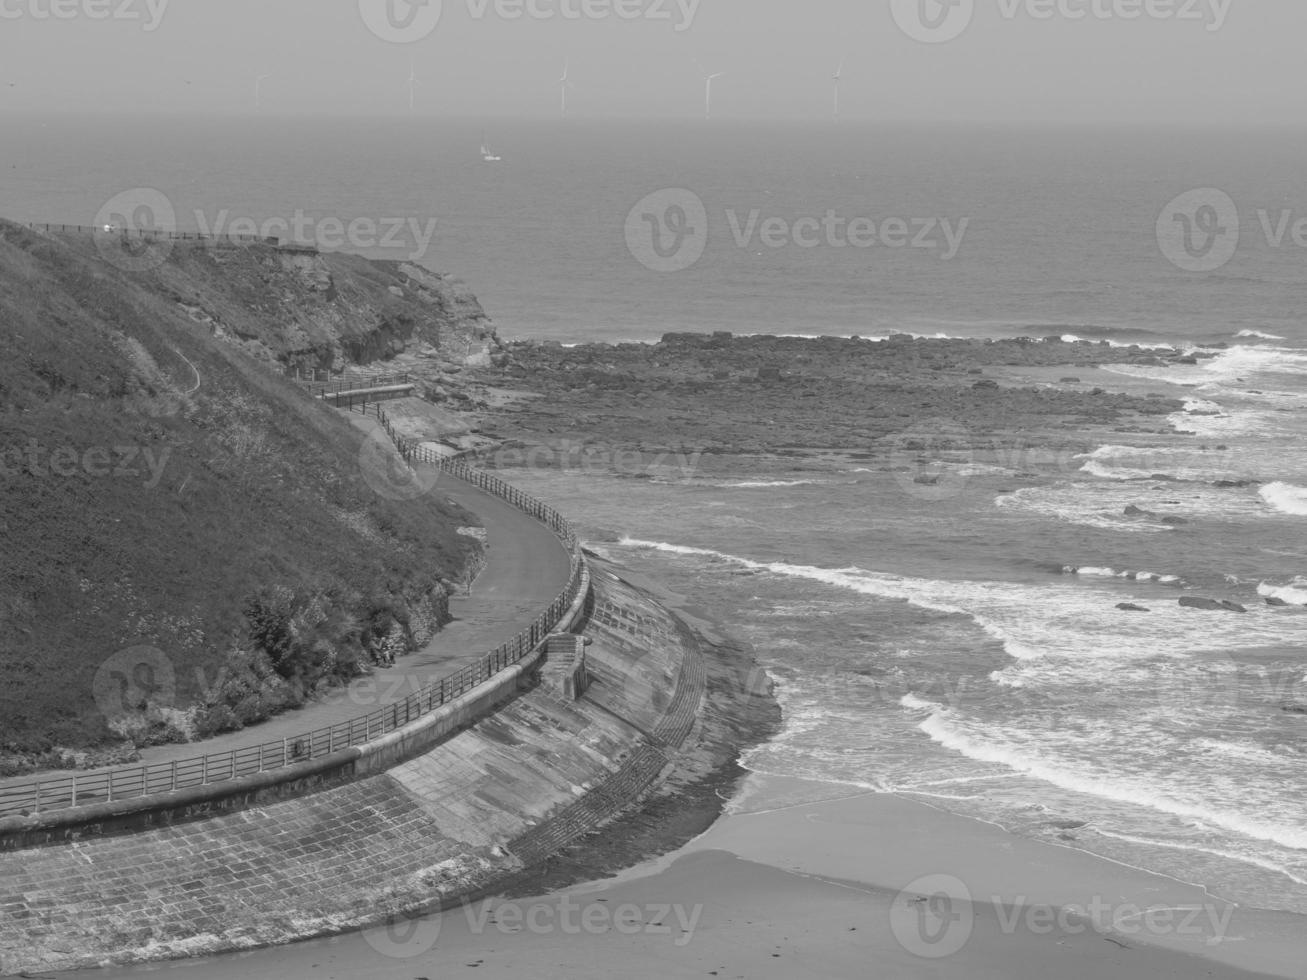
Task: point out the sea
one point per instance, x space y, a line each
957 641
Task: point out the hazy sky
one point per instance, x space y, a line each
1188 61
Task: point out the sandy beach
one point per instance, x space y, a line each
803 879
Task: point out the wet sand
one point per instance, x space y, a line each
807 880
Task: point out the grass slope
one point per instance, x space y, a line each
158 487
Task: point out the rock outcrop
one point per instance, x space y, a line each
1212 605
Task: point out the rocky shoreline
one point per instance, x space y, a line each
794 396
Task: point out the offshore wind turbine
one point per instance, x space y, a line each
839 75
564 84
412 85
707 91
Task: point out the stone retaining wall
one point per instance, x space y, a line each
474 810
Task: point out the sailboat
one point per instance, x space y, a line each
487 154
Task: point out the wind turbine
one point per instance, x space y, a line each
412 86
707 92
564 84
258 91
839 74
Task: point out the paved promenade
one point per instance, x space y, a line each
527 567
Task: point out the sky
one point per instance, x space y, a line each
1188 62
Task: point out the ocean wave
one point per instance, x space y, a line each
1107 472
1286 498
1294 593
1236 364
1076 505
914 703
1008 678
1242 361
1178 374
1185 465
1091 572
1058 773
1200 849
764 484
1071 338
1076 625
1258 335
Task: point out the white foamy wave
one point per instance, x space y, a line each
1258 335
1103 504
1094 468
1240 363
1179 374
1150 462
1074 624
678 549
1286 498
1199 849
1077 505
1070 338
914 703
1128 575
1237 462
1006 678
1294 593
1062 775
763 484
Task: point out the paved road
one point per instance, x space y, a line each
527 567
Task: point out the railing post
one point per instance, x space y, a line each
74 789
36 805
110 785
204 772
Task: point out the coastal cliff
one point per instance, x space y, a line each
166 486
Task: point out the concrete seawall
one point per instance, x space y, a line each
450 822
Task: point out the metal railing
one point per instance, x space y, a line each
151 234
57 791
321 389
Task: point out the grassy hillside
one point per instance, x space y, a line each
160 487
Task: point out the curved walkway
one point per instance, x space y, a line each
527 567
